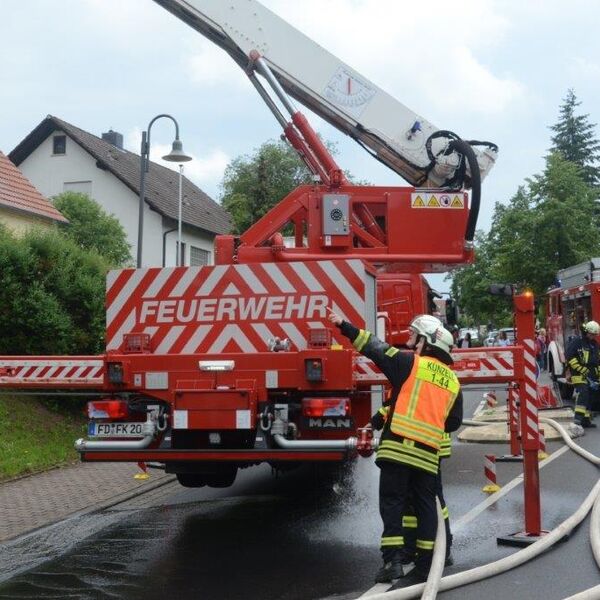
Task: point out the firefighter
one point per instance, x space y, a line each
426 402
582 360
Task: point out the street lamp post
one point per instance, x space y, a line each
180 260
176 155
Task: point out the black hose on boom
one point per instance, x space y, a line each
467 151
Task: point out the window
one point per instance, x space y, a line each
199 257
59 144
83 187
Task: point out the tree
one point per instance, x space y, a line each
51 295
549 224
575 139
92 228
470 286
252 185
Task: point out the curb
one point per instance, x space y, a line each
103 505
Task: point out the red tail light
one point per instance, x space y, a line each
107 409
325 407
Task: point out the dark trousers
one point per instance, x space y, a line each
409 520
583 406
399 486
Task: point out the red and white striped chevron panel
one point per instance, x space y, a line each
530 425
473 364
52 371
233 308
365 370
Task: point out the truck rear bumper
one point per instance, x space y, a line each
238 456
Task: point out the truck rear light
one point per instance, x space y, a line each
108 409
325 407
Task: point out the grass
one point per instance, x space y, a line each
34 437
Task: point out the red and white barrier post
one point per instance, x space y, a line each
530 442
490 475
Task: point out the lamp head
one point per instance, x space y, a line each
177 154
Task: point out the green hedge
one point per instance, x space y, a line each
51 295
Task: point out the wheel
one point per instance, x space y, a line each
222 479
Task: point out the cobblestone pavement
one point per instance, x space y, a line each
39 500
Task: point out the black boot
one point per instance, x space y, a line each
413 578
391 570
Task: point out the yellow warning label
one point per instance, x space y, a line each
436 200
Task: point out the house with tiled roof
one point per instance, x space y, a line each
58 157
21 204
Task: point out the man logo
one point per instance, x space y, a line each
338 423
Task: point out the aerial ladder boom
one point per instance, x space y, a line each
421 153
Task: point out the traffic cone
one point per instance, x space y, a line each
490 399
490 474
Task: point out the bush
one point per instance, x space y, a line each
51 295
92 228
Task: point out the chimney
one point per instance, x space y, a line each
114 138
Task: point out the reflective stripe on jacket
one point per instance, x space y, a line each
582 358
424 402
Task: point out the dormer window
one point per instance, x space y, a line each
59 144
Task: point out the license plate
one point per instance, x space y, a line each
115 430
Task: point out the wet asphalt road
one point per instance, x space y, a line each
299 537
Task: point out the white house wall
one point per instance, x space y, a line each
190 238
76 170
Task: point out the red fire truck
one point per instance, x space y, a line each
212 369
574 300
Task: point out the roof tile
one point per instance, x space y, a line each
17 192
161 193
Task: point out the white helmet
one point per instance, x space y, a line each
433 331
591 327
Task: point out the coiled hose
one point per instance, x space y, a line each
436 583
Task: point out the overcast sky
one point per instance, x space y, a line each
487 70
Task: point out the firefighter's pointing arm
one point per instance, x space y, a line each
381 353
334 317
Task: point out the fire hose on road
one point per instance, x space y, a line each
437 583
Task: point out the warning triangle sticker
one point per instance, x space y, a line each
457 202
433 201
418 201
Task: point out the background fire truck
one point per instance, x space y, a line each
212 369
575 300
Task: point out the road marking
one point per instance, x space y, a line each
474 512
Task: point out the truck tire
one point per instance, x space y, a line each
222 479
191 480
